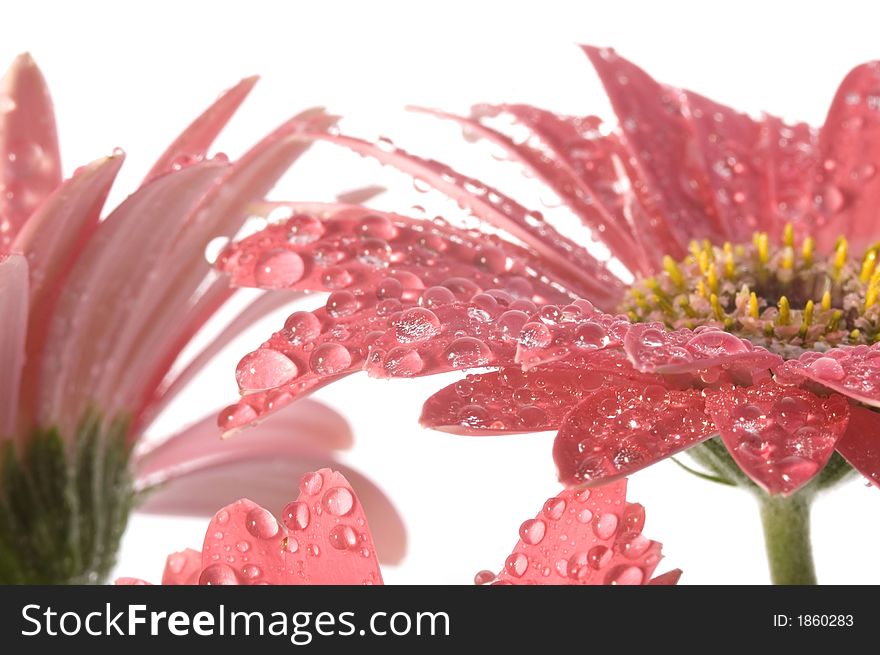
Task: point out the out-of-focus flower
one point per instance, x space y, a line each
737 295
94 315
323 538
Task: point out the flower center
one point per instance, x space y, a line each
784 298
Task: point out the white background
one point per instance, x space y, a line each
132 74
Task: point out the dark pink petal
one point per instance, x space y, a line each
669 180
586 537
512 400
780 436
193 143
727 142
183 568
617 431
103 285
849 144
669 578
853 371
562 258
13 334
559 164
324 539
860 444
31 167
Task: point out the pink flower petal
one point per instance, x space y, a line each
860 444
853 371
617 431
669 182
13 333
586 537
183 568
562 258
193 143
669 578
324 539
849 143
511 400
781 437
31 167
131 582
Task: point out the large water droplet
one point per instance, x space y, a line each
339 501
532 531
304 229
330 359
218 574
554 508
468 352
416 324
516 564
261 523
278 269
827 368
341 304
296 515
343 537
264 369
605 525
301 327
311 483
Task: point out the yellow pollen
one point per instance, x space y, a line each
784 317
753 305
788 236
869 263
840 253
716 307
826 301
807 251
788 258
834 321
712 278
673 271
873 290
807 319
728 260
762 244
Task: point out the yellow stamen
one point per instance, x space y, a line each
694 249
834 321
807 251
673 271
840 252
701 289
762 244
873 290
703 261
784 317
788 236
686 307
826 301
728 260
753 305
712 278
869 263
716 307
807 319
788 258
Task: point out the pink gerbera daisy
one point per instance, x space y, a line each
734 311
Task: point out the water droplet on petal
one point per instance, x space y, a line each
301 327
516 564
278 269
339 501
484 577
264 369
330 359
605 525
468 352
532 531
341 304
296 515
218 574
343 537
251 571
554 508
827 368
311 483
261 523
416 324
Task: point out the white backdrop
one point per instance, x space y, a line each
131 74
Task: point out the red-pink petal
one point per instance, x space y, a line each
587 537
669 578
193 143
781 437
849 143
860 444
13 333
853 371
670 183
31 167
183 568
511 400
619 430
131 582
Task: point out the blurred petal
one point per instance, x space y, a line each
13 332
853 371
585 537
31 167
193 143
781 437
860 444
183 568
669 578
617 431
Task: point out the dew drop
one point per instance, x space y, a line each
218 574
264 369
296 515
532 531
261 523
341 304
827 368
343 537
311 483
468 352
304 229
554 508
278 269
605 525
417 324
330 359
339 501
251 571
301 327
516 564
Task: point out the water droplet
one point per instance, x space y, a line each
301 327
554 508
389 288
341 303
535 335
510 324
585 516
264 369
311 483
278 269
468 352
417 324
605 525
532 531
243 546
516 564
374 252
599 556
336 277
590 336
296 515
261 523
827 368
403 362
491 259
378 227
304 229
251 571
339 501
484 577
313 550
830 199
437 296
218 574
330 359
222 516
625 575
343 537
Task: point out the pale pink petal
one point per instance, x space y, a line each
559 164
860 444
103 286
619 430
193 143
360 196
324 539
308 426
853 371
183 568
585 537
31 167
131 582
13 333
669 181
781 436
669 578
511 400
848 190
562 258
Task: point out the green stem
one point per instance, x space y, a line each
786 524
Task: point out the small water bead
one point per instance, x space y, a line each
554 508
532 531
222 516
341 304
264 369
218 574
296 515
468 352
484 577
251 571
462 288
278 269
338 501
290 544
473 415
388 307
327 255
403 362
374 252
599 556
343 537
590 336
491 259
416 324
313 550
304 229
635 546
336 277
633 519
301 327
261 523
605 525
330 359
516 564
585 516
436 297
311 483
531 416
535 335
377 226
510 324
389 288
